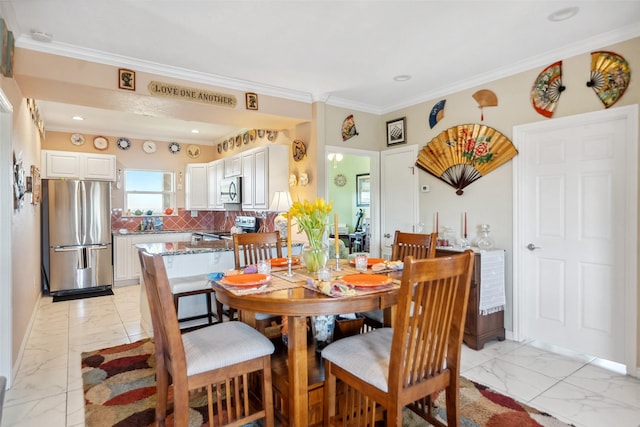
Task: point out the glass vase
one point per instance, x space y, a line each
484 242
316 257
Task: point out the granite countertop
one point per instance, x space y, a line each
185 248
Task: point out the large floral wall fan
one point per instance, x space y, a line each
610 76
547 88
463 154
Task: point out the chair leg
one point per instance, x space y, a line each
267 392
162 391
453 405
394 415
180 406
209 311
219 310
329 407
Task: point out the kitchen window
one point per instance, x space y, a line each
146 190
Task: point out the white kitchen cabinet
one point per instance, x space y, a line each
215 174
196 193
232 166
68 164
265 170
126 264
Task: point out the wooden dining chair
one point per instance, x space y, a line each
248 249
392 368
419 246
219 359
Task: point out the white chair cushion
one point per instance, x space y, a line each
223 345
188 284
365 355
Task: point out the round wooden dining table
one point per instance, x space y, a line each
297 304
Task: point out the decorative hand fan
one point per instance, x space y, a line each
485 98
437 113
610 75
349 128
463 154
547 88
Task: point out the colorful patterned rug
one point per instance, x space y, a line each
119 390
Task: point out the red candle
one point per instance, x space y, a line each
437 228
465 225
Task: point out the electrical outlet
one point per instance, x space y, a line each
194 214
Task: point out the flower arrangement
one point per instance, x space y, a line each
312 218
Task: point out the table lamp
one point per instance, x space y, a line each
281 203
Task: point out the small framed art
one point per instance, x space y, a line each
363 189
251 100
126 79
396 131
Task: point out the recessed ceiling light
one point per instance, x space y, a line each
402 78
80 118
563 14
195 131
41 36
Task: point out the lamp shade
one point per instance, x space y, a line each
281 202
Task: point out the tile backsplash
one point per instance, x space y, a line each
182 220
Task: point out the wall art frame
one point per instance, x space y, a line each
251 100
126 79
397 131
363 189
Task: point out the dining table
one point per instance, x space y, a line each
294 295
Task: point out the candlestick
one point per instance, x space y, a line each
288 236
465 225
336 239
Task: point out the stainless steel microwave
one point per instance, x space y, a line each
230 190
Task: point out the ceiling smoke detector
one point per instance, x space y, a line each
41 36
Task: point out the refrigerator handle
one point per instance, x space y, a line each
75 248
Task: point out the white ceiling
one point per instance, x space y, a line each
345 53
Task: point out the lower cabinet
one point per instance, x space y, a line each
126 264
480 328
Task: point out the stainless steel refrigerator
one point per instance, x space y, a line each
76 230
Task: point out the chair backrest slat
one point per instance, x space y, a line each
430 319
249 248
415 245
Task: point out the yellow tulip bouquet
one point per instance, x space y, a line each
312 218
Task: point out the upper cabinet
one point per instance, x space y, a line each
215 174
264 171
69 164
196 188
232 166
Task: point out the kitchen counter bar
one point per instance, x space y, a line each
141 232
186 248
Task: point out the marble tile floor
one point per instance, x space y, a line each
48 387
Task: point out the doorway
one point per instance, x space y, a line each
342 183
575 233
6 213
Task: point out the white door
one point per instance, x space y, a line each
576 232
399 194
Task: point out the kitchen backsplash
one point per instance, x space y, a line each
206 220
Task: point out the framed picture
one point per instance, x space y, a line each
363 190
396 131
251 99
36 185
126 79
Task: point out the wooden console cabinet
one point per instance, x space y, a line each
479 328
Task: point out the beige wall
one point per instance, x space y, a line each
25 223
488 200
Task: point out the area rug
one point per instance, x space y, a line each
119 390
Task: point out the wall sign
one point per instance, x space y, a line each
169 90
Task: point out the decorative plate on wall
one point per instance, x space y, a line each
219 147
77 139
193 151
299 150
340 180
100 142
123 143
174 148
